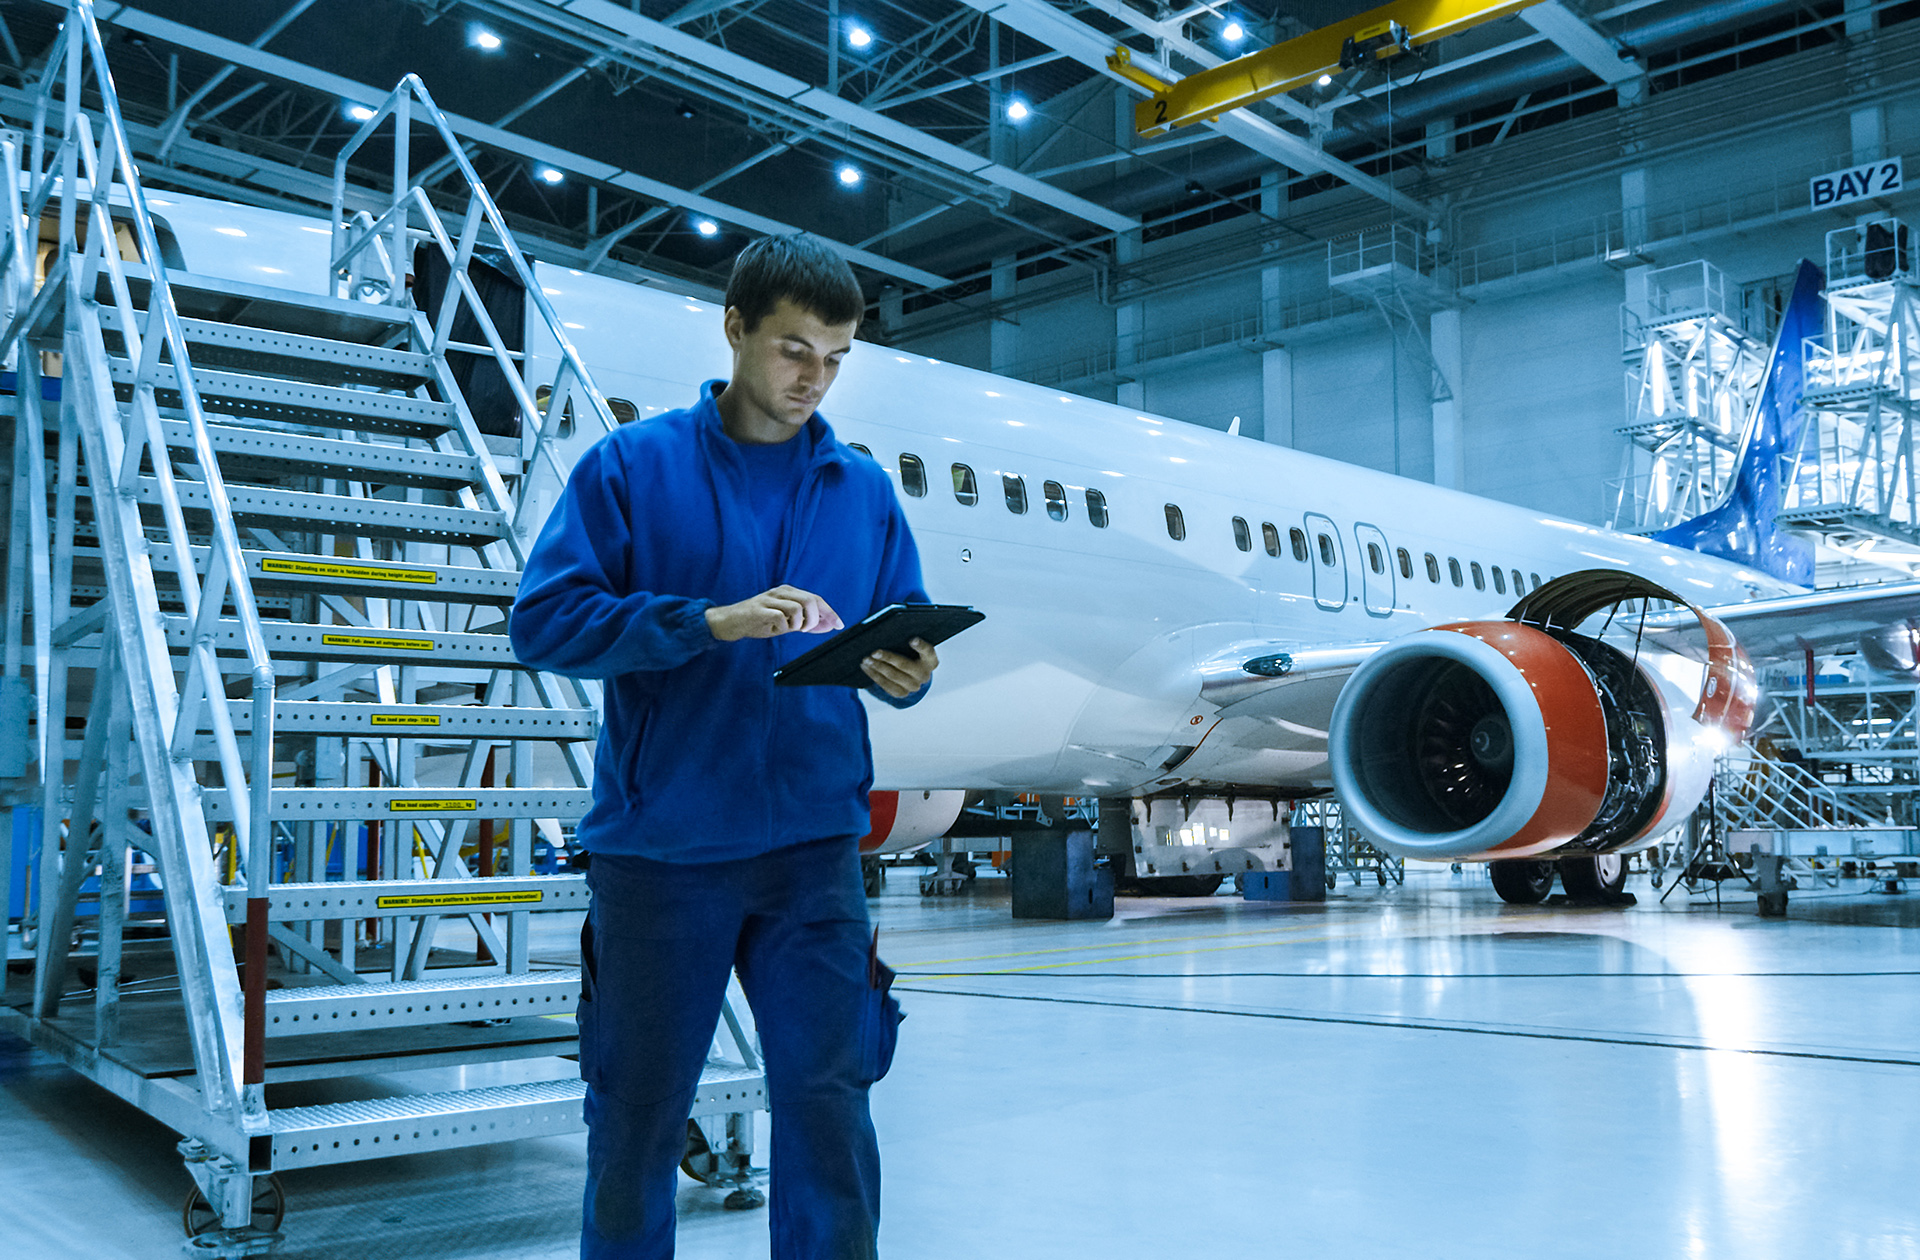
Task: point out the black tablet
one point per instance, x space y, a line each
836 663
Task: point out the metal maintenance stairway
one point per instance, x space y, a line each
269 588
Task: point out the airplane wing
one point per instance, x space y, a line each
1784 627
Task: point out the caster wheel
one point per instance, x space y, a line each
744 1199
197 1217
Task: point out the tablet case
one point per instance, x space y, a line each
836 663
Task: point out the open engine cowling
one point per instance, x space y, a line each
1521 738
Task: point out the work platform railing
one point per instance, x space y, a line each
265 558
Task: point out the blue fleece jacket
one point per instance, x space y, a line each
701 757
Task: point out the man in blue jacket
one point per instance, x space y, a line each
690 557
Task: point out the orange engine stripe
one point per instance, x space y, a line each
1576 730
885 808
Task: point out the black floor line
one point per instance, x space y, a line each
1536 1034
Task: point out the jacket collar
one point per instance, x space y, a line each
826 448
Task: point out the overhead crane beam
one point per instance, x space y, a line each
1378 33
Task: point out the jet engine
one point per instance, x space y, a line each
903 821
1522 738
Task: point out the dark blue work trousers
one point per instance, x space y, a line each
660 940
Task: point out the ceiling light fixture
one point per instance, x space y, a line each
359 112
686 111
1233 32
849 176
1018 110
1325 80
858 36
707 227
482 38
549 175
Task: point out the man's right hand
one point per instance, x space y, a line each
781 610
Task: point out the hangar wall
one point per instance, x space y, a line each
1541 384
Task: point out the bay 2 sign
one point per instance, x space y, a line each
1855 183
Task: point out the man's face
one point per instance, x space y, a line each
783 368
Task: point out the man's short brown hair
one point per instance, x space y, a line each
799 268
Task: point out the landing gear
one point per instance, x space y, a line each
1522 883
1593 878
952 872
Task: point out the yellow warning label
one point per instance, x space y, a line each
435 805
403 719
361 572
443 901
376 641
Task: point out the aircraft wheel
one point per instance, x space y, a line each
1590 877
1522 883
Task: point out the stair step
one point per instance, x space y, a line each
375 579
367 804
302 641
274 452
422 721
410 1003
294 402
337 1133
338 514
319 360
411 898
217 299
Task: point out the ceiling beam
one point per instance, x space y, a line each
624 25
1580 41
1040 20
129 18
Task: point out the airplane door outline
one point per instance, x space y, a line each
1376 589
1329 580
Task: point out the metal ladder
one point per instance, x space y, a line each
268 591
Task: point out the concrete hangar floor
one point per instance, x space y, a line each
1412 1072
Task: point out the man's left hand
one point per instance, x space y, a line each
900 676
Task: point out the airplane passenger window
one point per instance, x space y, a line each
1242 536
965 488
1270 537
1433 568
1016 492
1453 571
1097 509
1534 580
1326 550
1176 523
1479 577
623 411
913 475
1298 537
1375 560
1519 587
1499 580
1406 563
1056 499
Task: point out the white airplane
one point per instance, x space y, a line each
1173 611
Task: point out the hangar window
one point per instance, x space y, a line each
623 411
1406 562
965 488
1242 536
1533 580
1097 509
1056 499
913 475
1176 523
1499 580
1479 577
1376 561
1015 489
1298 537
1326 550
1433 568
1270 537
1519 586
1453 571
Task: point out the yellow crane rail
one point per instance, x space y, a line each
1373 35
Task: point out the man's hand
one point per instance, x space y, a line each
771 613
900 676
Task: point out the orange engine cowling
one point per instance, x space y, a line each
1521 738
907 820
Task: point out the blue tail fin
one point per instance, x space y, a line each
1742 528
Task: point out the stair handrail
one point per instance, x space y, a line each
393 223
78 48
